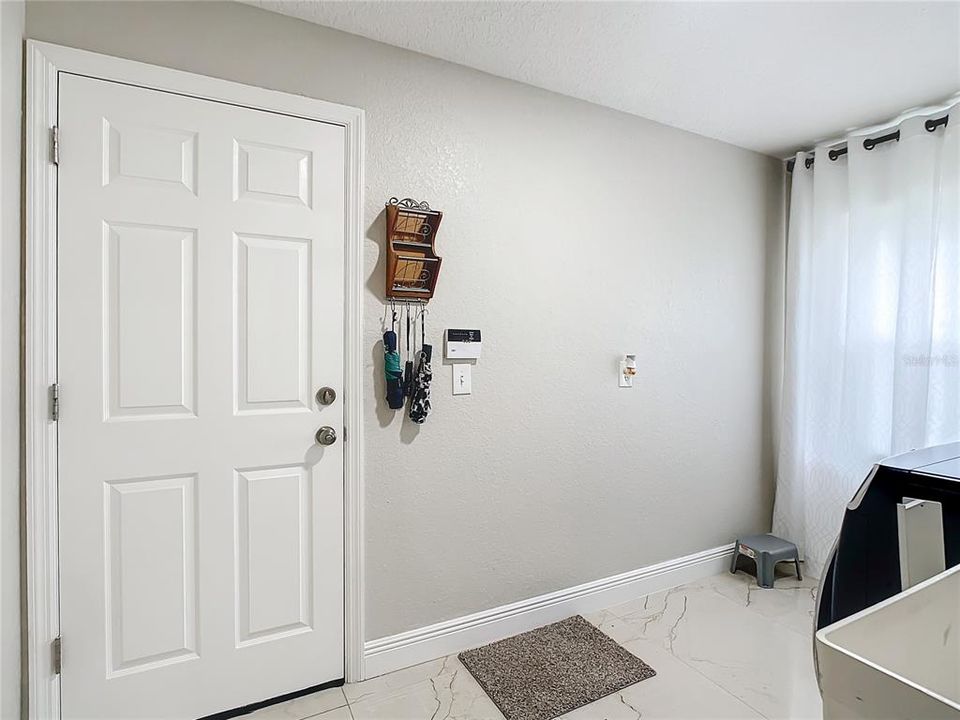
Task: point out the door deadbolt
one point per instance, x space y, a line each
326 435
326 395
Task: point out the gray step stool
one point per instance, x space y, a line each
766 550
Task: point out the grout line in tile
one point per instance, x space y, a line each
757 613
344 704
330 710
773 621
773 618
728 692
711 680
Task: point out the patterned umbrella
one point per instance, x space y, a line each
420 400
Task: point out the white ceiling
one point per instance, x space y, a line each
769 76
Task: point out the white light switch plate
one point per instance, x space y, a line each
461 378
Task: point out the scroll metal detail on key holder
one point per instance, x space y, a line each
412 261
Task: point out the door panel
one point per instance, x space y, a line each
200 300
150 313
151 572
149 154
274 589
273 323
272 173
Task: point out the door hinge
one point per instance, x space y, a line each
57 649
55 142
55 402
344 433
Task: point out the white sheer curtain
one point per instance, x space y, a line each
872 346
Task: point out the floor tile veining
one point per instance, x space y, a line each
722 648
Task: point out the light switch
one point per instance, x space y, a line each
461 378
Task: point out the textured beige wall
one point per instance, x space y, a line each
572 234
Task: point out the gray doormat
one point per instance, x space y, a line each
544 673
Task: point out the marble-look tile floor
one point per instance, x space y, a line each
722 648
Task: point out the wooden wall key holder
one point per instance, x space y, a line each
412 262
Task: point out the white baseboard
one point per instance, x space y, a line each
452 636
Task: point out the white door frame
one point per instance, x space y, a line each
45 62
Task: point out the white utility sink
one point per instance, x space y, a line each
899 659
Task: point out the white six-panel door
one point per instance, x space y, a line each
200 298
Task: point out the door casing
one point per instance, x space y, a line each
45 63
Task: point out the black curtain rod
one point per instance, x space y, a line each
871 143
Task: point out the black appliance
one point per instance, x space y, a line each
864 565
